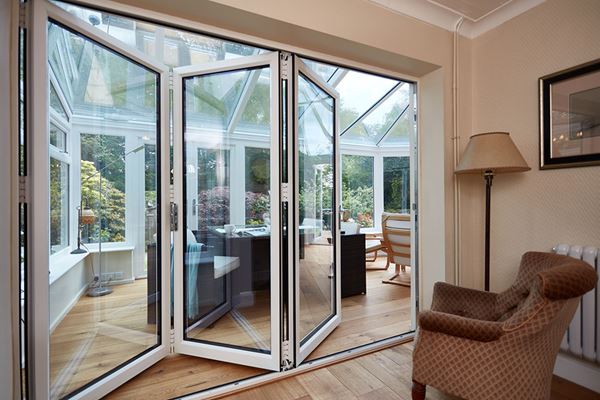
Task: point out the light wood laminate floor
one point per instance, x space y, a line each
384 375
100 333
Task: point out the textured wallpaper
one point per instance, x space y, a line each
536 209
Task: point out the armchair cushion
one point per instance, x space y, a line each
454 325
567 281
464 302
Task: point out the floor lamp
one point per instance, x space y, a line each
489 154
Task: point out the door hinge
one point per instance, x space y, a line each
23 15
174 216
284 65
285 192
172 341
286 363
23 192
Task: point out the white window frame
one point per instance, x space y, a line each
38 255
38 49
271 360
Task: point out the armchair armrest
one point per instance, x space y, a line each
465 302
454 325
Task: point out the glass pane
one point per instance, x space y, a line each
56 104
396 175
58 138
317 219
174 48
59 205
257 185
256 114
212 99
213 188
399 134
325 71
103 293
359 91
103 187
227 243
357 189
380 119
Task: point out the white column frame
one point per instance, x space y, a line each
270 361
38 141
316 337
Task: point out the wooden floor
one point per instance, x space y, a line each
378 376
178 375
97 335
100 333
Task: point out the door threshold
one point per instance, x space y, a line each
250 383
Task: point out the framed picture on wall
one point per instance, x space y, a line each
570 117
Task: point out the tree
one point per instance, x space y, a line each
108 206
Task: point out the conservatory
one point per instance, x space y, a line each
200 192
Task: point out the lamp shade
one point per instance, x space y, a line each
491 151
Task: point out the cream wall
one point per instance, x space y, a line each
537 209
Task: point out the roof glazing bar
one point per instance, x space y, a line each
392 125
373 107
337 77
244 97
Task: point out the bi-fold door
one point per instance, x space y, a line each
218 276
227 286
229 265
88 341
315 264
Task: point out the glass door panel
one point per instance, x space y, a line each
107 170
226 261
317 252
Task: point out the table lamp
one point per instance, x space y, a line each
489 154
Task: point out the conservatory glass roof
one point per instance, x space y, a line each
374 111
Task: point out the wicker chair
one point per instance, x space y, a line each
482 345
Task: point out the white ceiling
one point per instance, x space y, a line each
479 16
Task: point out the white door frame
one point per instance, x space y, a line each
270 361
39 227
303 350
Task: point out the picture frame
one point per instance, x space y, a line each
570 117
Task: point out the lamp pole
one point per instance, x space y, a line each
101 290
488 176
490 153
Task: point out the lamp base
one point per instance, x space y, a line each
99 291
78 250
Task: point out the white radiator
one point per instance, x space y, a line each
582 339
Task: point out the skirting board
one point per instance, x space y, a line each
578 371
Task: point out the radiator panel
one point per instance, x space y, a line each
583 336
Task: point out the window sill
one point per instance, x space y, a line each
62 263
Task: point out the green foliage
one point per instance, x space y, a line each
106 152
396 178
357 188
257 169
108 206
58 205
257 205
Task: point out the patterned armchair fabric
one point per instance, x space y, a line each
481 345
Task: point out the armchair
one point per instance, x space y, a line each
482 345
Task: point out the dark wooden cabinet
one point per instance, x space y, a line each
353 267
253 272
